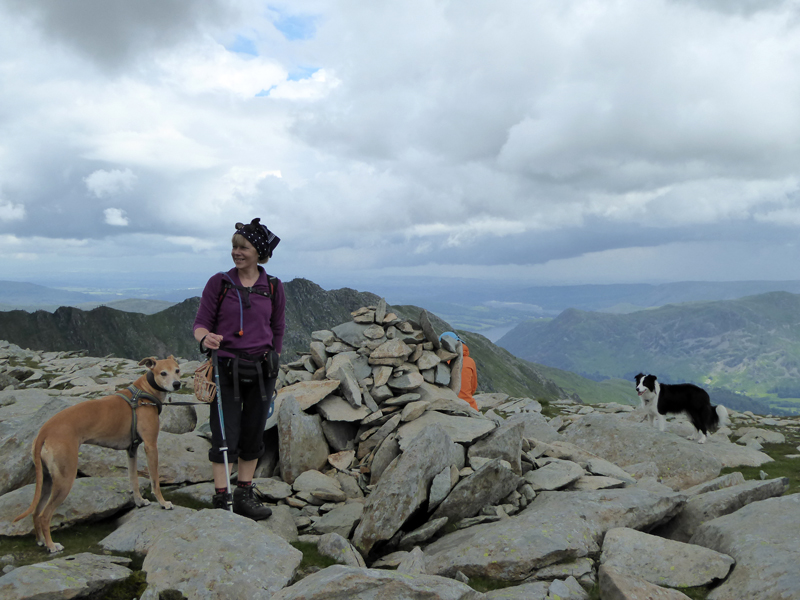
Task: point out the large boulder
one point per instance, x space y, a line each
663 562
301 441
403 488
487 486
556 526
214 554
353 583
764 539
138 530
681 463
15 450
182 458
77 576
91 499
710 505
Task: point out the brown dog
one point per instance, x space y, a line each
106 422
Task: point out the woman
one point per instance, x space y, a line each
241 314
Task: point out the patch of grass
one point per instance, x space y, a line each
76 539
781 467
312 561
180 499
696 593
128 589
484 584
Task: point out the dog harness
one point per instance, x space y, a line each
140 398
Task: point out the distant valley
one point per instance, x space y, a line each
745 350
750 345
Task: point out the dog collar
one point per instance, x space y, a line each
151 379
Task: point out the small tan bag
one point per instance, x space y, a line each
204 388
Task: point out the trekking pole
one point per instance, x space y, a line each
224 448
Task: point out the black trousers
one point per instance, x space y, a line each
244 420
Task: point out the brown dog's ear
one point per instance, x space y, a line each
148 362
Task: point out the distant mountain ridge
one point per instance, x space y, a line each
103 331
751 344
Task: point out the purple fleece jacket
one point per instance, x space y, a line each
263 322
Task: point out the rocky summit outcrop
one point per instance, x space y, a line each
373 458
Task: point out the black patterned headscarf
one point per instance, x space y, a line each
263 240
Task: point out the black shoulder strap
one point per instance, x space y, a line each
227 284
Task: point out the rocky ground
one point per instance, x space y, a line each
376 463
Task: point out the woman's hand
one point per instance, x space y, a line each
212 341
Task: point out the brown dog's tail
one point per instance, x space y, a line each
36 451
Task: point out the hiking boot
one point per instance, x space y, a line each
222 500
246 504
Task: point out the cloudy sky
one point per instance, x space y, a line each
549 141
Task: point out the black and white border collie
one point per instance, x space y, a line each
659 400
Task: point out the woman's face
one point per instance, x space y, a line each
244 255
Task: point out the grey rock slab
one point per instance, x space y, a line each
341 520
178 419
764 539
555 527
406 382
76 576
340 434
535 426
305 393
440 488
301 441
214 554
138 529
339 549
182 458
334 408
596 482
599 466
487 486
385 453
681 463
734 455
619 585
663 562
317 483
718 483
391 353
459 429
554 475
536 590
281 523
710 505
413 563
413 410
422 534
403 488
566 589
350 583
504 442
15 450
91 499
351 333
582 568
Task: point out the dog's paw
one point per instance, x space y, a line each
167 506
55 548
140 502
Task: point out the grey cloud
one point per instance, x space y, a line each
112 32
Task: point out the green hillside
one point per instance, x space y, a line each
750 345
105 331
